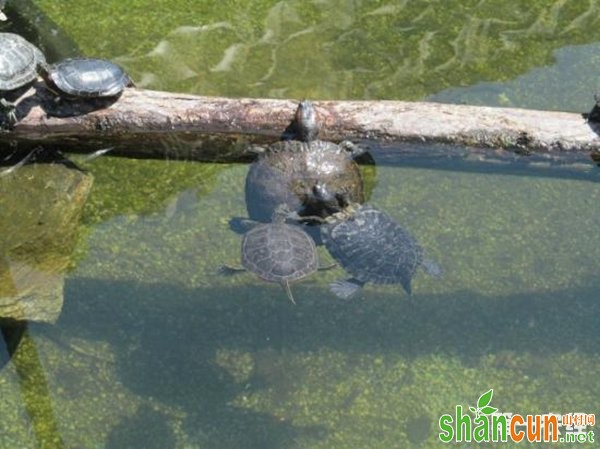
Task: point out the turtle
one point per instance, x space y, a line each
372 247
20 61
2 15
85 78
286 171
277 252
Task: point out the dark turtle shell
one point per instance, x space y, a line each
288 171
87 77
279 252
19 61
372 247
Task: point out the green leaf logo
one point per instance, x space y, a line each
483 404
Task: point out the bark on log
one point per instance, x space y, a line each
145 123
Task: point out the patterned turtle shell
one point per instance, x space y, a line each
279 252
372 247
19 61
288 171
86 77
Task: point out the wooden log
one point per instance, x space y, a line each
145 123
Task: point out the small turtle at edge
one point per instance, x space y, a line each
2 15
277 252
85 78
371 246
20 61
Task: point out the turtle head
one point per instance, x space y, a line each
331 202
43 69
305 122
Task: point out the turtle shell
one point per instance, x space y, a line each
372 247
279 252
287 172
87 77
19 60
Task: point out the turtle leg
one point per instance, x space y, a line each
327 267
406 284
19 164
255 150
352 148
283 213
345 288
288 291
228 270
241 225
8 109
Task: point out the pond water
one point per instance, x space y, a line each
153 349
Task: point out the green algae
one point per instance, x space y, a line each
154 349
224 362
41 207
330 49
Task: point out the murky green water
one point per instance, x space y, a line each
153 349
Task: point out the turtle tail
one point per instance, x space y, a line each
288 291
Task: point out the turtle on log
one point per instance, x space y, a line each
20 61
85 78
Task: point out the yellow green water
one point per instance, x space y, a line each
154 350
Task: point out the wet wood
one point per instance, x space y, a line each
145 123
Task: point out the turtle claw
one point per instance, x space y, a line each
283 213
345 288
8 110
433 268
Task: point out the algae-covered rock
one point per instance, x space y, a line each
40 206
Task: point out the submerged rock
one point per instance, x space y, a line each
40 207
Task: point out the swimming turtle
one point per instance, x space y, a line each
85 78
287 171
372 247
277 252
19 64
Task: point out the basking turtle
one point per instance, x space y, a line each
85 78
372 247
287 171
277 252
19 64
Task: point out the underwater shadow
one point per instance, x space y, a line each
164 316
580 166
147 429
168 341
11 334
